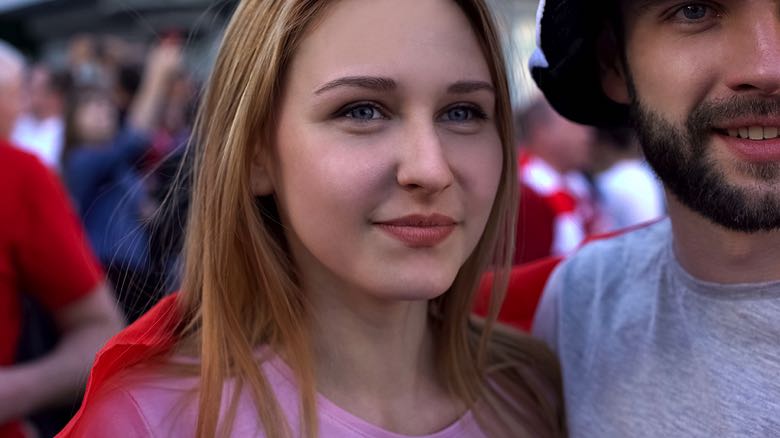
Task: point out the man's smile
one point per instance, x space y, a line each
754 132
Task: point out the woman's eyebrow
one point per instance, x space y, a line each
465 87
370 82
378 83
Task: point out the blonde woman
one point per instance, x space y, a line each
354 176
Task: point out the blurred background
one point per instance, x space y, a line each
44 28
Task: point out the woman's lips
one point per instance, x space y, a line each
419 231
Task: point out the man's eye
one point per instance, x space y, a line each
362 112
694 12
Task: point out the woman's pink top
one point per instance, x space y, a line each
142 403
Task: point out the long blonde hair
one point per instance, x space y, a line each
239 288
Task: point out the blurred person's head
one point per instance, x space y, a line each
12 66
563 144
81 49
83 63
47 92
91 118
622 139
612 145
112 51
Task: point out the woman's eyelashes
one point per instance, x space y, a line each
463 112
363 112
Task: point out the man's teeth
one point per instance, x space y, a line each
755 132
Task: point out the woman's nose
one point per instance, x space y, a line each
423 165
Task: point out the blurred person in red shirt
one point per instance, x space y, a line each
43 255
558 209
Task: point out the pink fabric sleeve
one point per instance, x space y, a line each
114 414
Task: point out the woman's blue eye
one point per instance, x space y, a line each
459 114
362 112
463 114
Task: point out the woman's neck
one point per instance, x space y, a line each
385 349
376 359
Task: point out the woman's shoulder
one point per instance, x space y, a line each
115 413
141 401
524 379
521 360
161 398
508 345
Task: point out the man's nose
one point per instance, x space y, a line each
756 63
423 165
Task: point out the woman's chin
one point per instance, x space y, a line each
417 288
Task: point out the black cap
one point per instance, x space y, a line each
565 64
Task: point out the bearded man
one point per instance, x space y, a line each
673 329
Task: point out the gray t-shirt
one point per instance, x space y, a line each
649 351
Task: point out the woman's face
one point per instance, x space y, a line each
387 158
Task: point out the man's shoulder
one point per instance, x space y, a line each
642 242
609 264
605 282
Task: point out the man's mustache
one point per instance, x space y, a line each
709 115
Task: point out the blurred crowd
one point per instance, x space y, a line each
88 155
577 182
113 123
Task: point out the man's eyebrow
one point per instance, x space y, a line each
464 87
640 5
370 82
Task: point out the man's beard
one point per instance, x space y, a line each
684 161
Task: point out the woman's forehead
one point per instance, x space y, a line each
394 38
